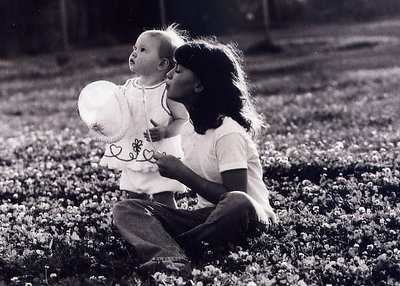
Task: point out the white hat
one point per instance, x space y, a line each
104 108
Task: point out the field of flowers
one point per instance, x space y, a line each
330 152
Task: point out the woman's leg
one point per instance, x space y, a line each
151 228
232 220
166 198
140 196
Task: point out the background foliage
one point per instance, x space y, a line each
31 27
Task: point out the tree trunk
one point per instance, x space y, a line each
163 17
64 25
266 18
266 45
64 57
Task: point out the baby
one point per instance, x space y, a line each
155 120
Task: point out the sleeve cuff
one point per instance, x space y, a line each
232 166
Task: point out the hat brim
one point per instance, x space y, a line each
85 109
126 118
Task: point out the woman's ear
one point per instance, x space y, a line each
198 87
164 64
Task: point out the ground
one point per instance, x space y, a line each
330 153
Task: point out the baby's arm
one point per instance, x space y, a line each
179 117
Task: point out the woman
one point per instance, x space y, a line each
221 164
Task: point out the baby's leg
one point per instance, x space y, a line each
166 198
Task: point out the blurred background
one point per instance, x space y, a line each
43 26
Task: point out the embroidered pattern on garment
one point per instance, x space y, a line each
147 154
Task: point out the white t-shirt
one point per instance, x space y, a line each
227 147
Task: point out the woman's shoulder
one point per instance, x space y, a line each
229 126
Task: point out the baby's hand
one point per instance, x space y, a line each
156 133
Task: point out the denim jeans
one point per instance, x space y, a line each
159 232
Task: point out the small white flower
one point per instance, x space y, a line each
75 236
196 272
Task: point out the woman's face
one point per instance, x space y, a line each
182 84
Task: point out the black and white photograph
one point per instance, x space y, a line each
199 142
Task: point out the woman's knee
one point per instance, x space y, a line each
236 201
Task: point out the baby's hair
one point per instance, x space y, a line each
170 39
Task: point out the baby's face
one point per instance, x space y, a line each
145 58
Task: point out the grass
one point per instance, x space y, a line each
330 153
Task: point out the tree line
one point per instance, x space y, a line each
36 26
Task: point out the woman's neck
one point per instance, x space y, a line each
150 80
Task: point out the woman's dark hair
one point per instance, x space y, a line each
225 87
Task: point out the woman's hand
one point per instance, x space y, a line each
170 166
156 133
270 214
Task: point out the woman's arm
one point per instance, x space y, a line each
233 180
